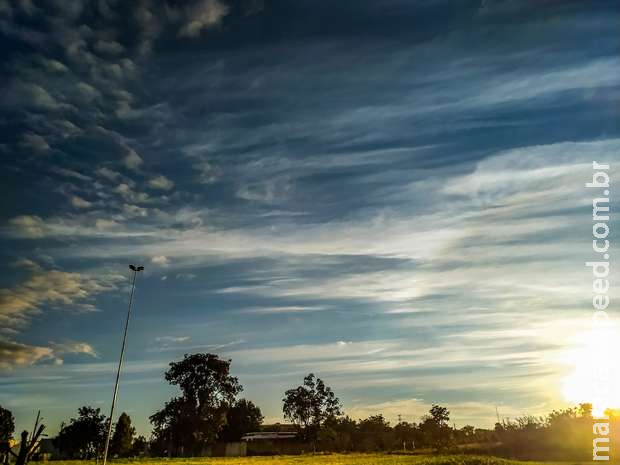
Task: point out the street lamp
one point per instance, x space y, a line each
136 270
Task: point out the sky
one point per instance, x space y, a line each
388 194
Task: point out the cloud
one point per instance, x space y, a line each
186 276
15 354
133 211
71 174
54 66
33 95
161 182
48 289
202 15
35 142
127 192
72 347
161 260
132 160
28 225
79 202
174 339
280 310
26 263
103 224
107 173
18 355
108 47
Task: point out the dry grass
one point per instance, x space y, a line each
332 459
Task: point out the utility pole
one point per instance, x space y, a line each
135 270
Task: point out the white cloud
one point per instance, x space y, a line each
103 224
48 288
28 225
79 202
132 160
133 211
15 354
173 338
127 192
108 47
202 15
280 310
161 182
107 173
35 142
72 347
18 355
33 95
161 260
87 92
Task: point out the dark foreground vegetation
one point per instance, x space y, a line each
208 411
330 459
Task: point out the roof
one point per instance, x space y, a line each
268 435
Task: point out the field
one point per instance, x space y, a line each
335 459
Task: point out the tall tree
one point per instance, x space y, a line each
309 405
7 427
244 417
7 424
122 439
192 421
435 429
139 447
83 437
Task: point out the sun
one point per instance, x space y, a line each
595 372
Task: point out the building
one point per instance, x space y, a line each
284 442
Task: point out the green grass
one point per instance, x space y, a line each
332 459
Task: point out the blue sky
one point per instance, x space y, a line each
390 194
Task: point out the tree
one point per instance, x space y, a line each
435 429
192 421
7 427
83 437
28 444
140 447
375 434
122 439
585 410
309 405
244 417
439 415
405 434
7 424
338 434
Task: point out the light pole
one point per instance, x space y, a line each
135 270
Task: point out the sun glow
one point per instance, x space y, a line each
596 374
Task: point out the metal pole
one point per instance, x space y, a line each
120 362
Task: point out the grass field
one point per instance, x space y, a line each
335 459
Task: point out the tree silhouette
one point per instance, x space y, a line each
435 429
244 417
189 423
7 424
309 405
140 447
83 436
7 427
122 439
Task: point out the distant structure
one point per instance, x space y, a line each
269 436
286 441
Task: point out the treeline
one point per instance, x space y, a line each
209 410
